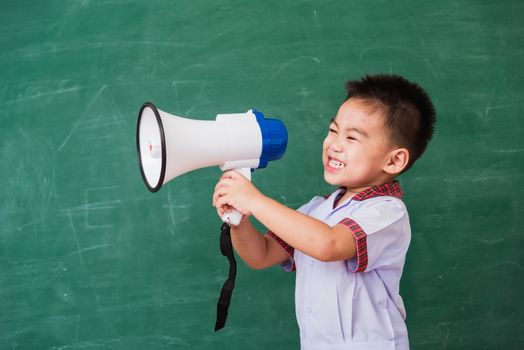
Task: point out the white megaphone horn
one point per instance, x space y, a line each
169 146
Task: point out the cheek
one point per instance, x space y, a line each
325 145
375 154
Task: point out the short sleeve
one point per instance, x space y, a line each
382 235
289 265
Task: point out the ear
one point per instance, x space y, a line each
396 161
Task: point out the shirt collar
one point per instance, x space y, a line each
392 189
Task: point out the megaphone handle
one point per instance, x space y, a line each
234 217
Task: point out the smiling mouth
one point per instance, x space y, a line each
335 164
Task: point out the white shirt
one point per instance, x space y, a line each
355 304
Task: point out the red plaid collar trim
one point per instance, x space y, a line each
392 189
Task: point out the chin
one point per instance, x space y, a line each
330 180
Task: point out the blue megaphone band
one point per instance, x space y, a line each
274 138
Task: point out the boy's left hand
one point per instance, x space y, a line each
234 190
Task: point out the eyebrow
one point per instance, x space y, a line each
360 131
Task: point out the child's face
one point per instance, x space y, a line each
356 148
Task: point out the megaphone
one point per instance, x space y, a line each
169 146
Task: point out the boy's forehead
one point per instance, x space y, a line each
356 113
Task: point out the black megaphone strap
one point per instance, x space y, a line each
227 289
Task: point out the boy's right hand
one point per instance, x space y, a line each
226 209
235 191
220 210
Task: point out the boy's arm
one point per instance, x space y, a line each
309 235
258 251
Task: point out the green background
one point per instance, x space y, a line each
89 259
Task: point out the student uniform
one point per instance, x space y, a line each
354 304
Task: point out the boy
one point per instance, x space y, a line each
348 248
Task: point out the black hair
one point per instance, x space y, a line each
408 111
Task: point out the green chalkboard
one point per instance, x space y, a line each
89 259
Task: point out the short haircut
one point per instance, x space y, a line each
409 114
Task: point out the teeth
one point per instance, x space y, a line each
335 164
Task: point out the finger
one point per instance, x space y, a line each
224 183
218 185
223 209
222 191
227 174
220 202
236 175
223 201
215 197
219 193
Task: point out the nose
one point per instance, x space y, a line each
335 146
